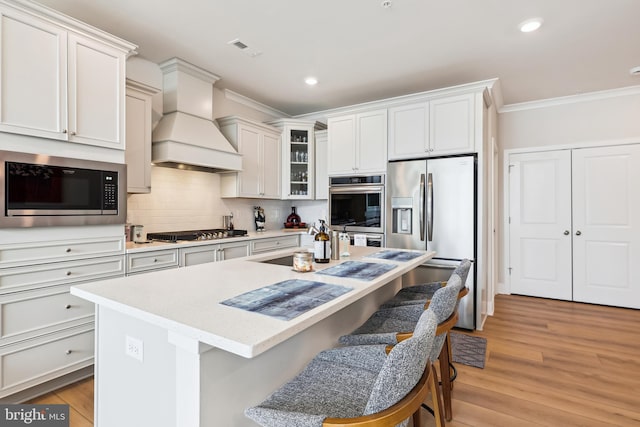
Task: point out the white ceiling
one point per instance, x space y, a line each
360 51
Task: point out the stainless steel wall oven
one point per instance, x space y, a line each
40 190
357 202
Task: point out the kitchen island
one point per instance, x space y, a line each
168 353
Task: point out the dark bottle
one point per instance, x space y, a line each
293 218
322 245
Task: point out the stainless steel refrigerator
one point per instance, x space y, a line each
431 204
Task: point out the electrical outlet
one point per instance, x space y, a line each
134 348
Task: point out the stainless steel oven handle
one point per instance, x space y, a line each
430 207
421 207
363 189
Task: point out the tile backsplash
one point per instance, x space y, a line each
188 200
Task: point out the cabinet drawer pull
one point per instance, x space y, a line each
155 260
67 352
64 131
68 306
68 250
68 273
72 133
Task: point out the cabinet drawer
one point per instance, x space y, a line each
15 255
42 275
155 260
198 255
35 361
40 311
273 244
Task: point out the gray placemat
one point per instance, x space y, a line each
287 300
395 255
358 270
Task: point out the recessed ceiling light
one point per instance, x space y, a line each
635 71
311 81
530 25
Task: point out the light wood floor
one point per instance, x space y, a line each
551 363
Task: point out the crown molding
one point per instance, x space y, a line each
252 103
570 99
403 99
53 16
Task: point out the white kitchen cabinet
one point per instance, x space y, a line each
32 362
298 158
357 143
33 276
212 253
35 312
33 55
434 127
452 125
138 136
144 262
274 244
51 251
76 77
409 131
45 332
322 163
259 145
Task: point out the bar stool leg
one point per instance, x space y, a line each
435 398
445 380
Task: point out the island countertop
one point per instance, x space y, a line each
186 301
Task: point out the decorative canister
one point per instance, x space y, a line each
303 261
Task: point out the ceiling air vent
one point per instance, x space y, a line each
237 43
244 48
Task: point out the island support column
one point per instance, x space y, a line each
188 377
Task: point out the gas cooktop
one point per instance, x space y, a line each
215 233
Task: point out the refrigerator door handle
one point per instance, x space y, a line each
421 207
430 207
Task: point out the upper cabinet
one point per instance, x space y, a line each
259 145
61 79
435 127
299 160
357 143
138 134
322 177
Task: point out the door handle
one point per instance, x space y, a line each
578 233
430 207
421 206
566 232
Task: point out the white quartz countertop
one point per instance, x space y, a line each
186 301
132 247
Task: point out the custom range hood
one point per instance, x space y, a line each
186 137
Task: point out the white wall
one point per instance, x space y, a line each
188 200
584 119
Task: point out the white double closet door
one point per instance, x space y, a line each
574 231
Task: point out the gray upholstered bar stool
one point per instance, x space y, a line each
422 293
362 386
391 325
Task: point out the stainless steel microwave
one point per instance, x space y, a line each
39 190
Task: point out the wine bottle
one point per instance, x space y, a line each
322 245
293 218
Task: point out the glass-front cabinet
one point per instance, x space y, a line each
298 158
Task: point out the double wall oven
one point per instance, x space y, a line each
357 203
